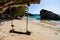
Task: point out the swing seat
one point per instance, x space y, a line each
26 33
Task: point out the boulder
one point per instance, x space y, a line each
48 15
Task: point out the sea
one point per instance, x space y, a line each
37 18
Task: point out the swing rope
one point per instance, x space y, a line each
27 9
13 30
11 20
26 20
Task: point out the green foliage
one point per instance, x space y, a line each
17 11
3 1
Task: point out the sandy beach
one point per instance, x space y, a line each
40 30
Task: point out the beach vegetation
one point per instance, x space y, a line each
14 11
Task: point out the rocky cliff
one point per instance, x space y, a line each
48 15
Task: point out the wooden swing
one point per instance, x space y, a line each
27 32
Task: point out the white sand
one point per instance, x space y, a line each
39 31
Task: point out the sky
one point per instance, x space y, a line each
51 5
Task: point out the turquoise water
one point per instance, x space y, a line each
36 16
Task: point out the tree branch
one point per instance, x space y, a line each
13 4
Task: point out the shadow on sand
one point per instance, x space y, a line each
16 32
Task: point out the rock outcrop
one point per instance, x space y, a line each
48 15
